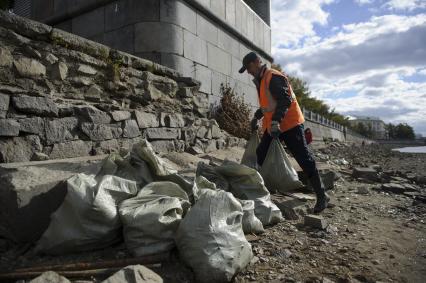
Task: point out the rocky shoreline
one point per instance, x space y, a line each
374 231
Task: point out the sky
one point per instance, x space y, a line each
362 57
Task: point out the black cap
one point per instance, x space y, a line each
249 58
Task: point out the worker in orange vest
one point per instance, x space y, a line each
283 119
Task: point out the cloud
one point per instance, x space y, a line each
293 21
409 5
364 2
363 69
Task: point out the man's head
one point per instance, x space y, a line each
251 63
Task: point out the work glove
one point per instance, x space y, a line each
253 125
275 129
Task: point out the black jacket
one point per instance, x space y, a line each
280 90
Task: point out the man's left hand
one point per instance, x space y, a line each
275 129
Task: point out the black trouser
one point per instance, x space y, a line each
296 143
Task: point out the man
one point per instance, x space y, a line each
283 119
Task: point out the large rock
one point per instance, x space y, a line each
24 26
162 133
70 149
92 114
86 70
97 132
9 128
157 87
4 102
50 277
134 274
6 58
59 71
19 149
146 119
29 67
163 146
365 173
41 106
172 120
292 208
120 115
30 192
130 129
33 125
61 130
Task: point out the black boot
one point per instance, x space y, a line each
322 197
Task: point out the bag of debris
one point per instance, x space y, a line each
210 238
134 274
277 171
143 153
250 157
246 184
211 174
150 219
88 218
251 224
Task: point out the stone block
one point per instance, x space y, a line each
59 71
131 129
172 120
96 132
178 13
217 80
89 24
315 221
242 16
146 119
107 147
216 132
9 128
61 130
267 39
365 173
157 87
29 68
194 150
24 26
228 43
218 59
162 133
39 156
211 146
202 132
92 114
6 59
179 145
230 12
163 146
184 66
207 30
52 59
33 125
86 70
194 48
250 25
4 102
159 37
19 149
291 208
121 39
124 13
218 7
30 194
120 115
41 106
93 93
204 75
188 135
258 31
70 149
116 130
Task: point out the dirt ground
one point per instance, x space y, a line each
372 235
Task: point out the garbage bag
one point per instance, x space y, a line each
143 153
88 218
246 184
277 171
150 219
210 238
250 157
251 224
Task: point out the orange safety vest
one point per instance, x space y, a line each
294 115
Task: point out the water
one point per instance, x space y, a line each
412 149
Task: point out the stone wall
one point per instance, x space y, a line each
203 39
64 96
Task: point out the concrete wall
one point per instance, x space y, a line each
179 34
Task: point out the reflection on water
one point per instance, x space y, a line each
412 149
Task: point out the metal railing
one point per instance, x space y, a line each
317 118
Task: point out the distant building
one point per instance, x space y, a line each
376 125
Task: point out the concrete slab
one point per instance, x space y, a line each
207 30
219 60
159 37
204 75
179 13
194 48
230 12
31 191
228 43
